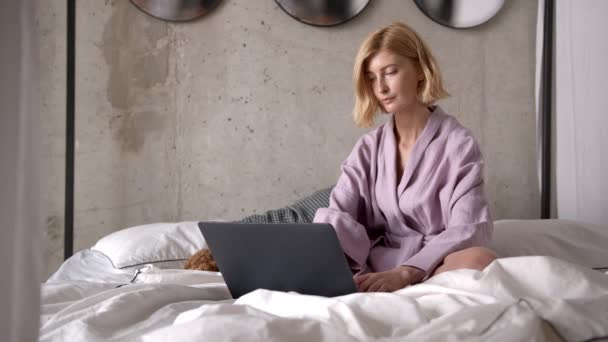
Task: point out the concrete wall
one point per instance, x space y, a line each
51 29
247 109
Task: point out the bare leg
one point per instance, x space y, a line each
476 258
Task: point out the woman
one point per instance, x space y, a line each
409 203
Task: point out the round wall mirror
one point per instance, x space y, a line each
176 10
322 12
460 13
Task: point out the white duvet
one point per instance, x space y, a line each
514 299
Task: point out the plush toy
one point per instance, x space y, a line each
202 261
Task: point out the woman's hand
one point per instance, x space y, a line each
389 281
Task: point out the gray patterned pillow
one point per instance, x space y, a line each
302 211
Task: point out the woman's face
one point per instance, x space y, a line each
394 80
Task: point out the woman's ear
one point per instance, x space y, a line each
419 71
420 77
420 74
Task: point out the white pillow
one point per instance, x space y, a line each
581 243
166 245
169 245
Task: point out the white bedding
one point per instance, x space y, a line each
92 266
514 299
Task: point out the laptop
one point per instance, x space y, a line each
305 258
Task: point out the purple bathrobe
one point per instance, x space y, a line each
437 208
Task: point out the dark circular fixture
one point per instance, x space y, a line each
176 10
460 13
323 12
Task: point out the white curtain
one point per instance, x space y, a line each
580 147
20 223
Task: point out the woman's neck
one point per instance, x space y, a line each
410 124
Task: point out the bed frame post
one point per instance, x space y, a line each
68 246
547 98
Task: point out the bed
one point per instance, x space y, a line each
549 284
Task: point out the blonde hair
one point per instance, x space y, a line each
402 40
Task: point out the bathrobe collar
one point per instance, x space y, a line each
432 125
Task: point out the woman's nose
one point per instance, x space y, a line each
383 87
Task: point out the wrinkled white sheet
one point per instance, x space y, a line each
513 299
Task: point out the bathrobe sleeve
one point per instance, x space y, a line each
465 210
349 203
